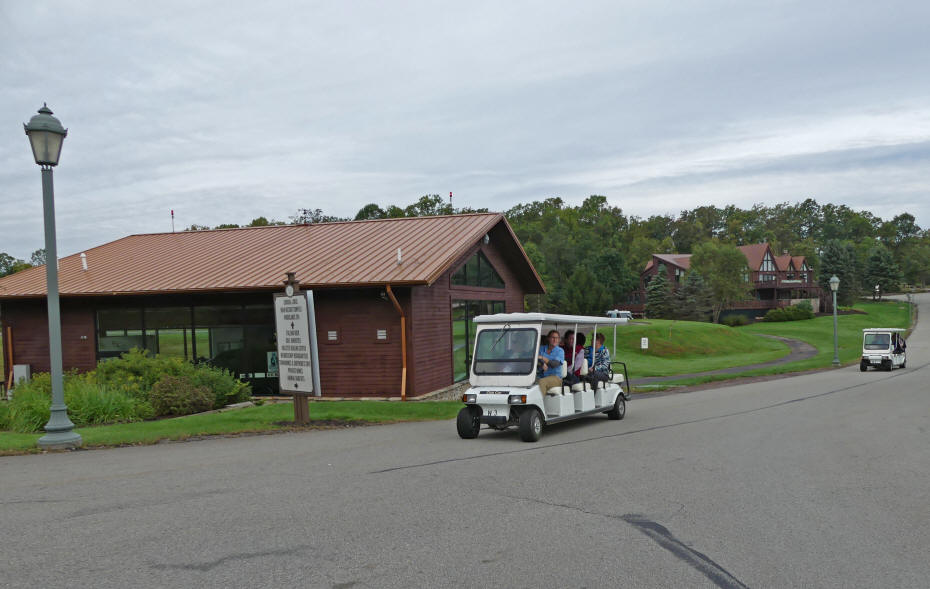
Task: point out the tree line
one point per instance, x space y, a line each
590 255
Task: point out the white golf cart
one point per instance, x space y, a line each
883 347
504 390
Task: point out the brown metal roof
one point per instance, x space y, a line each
353 253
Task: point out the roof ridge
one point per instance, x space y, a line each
346 221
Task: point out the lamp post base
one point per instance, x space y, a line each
836 363
60 441
59 432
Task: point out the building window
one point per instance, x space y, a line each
477 271
768 264
463 331
239 338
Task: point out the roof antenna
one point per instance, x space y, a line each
450 201
172 220
400 258
84 261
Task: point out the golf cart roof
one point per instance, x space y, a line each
883 330
513 318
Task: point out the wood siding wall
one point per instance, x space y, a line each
29 322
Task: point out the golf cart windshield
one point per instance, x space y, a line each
505 351
877 341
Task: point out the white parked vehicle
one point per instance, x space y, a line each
883 347
504 390
618 314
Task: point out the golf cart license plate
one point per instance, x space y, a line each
875 360
495 412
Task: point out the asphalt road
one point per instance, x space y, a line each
813 481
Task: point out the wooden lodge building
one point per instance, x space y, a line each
207 296
777 281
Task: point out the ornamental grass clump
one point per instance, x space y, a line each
88 403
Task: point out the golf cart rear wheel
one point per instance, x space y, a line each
530 425
619 409
468 422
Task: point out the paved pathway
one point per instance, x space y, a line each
799 351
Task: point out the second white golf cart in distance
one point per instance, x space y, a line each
504 391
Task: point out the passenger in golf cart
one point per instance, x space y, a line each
516 383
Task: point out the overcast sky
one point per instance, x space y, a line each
226 111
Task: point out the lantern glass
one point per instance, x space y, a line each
46 147
834 283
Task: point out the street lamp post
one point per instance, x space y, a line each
46 136
834 285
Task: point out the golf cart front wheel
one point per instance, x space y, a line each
468 422
530 425
619 408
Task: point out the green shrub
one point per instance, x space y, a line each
225 388
735 320
4 415
136 373
30 408
174 395
802 310
91 404
88 403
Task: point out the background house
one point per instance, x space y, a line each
207 296
777 281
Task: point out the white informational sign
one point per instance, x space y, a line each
292 321
644 343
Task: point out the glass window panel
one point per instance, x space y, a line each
174 343
218 315
459 341
167 317
119 330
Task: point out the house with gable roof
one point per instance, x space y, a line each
778 281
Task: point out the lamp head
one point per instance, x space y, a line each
834 283
46 136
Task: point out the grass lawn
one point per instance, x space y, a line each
682 347
270 417
818 332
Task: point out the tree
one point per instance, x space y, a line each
429 205
38 257
310 216
659 295
10 265
369 211
725 272
881 270
584 295
692 299
839 259
227 226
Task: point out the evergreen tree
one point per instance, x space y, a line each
659 296
839 259
881 270
584 295
693 299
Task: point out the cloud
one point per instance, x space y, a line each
225 111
